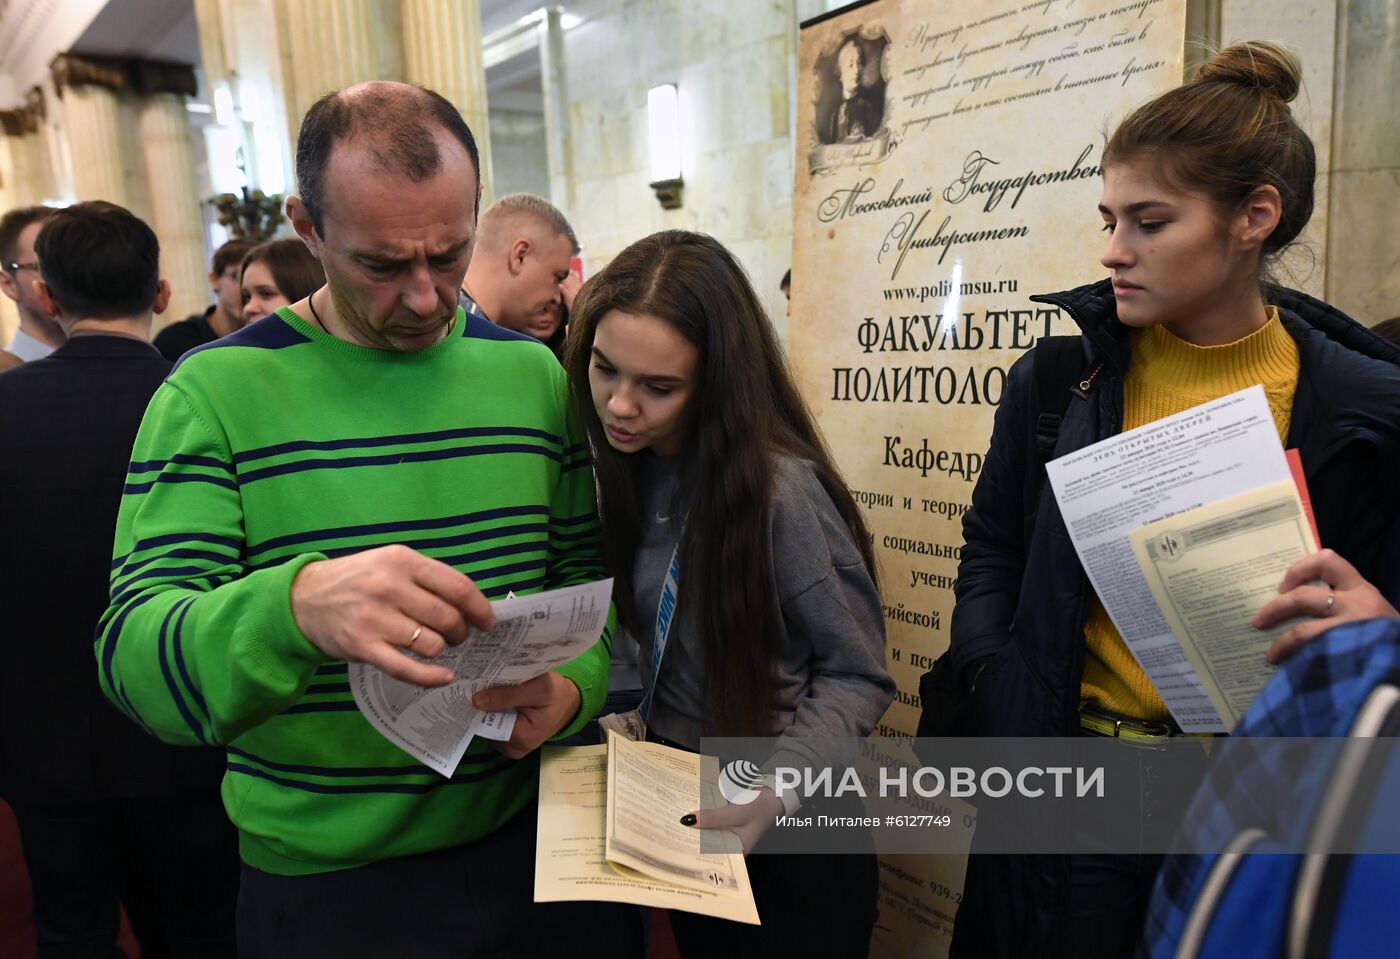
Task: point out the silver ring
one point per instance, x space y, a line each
1331 601
416 633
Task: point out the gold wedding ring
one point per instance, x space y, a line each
1331 601
416 633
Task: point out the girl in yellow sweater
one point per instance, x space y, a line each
1202 187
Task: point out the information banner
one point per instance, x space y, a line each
947 168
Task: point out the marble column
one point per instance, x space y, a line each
283 65
339 43
12 194
25 168
128 136
138 181
245 48
44 177
92 119
213 53
25 178
99 124
1363 253
442 51
176 215
558 140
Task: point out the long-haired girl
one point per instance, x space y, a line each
715 485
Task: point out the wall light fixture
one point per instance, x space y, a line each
664 134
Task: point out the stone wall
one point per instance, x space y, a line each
732 62
1363 248
518 155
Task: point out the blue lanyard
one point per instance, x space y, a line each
665 619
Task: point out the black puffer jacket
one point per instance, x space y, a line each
1022 594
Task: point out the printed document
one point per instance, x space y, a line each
650 787
1209 453
533 635
571 859
1211 569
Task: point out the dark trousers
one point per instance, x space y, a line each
1106 901
810 905
1105 906
173 861
469 902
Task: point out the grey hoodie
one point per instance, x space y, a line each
830 672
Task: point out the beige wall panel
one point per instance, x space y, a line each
731 63
1363 252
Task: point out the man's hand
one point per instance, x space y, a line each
368 607
568 289
749 822
1346 597
543 706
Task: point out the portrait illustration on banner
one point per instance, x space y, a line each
851 113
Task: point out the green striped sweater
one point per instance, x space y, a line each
281 445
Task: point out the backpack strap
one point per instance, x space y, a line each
1340 817
1060 371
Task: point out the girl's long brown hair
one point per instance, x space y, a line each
744 409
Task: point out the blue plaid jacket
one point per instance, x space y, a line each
1316 694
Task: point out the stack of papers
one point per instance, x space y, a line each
609 830
1186 527
533 635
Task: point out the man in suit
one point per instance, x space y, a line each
106 812
38 334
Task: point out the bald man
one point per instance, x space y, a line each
519 273
372 510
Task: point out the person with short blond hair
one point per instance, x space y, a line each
519 276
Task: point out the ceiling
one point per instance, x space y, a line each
154 29
513 83
499 14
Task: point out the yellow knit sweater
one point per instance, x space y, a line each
1168 375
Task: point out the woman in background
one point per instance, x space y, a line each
278 273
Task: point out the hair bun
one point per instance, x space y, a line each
1259 65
